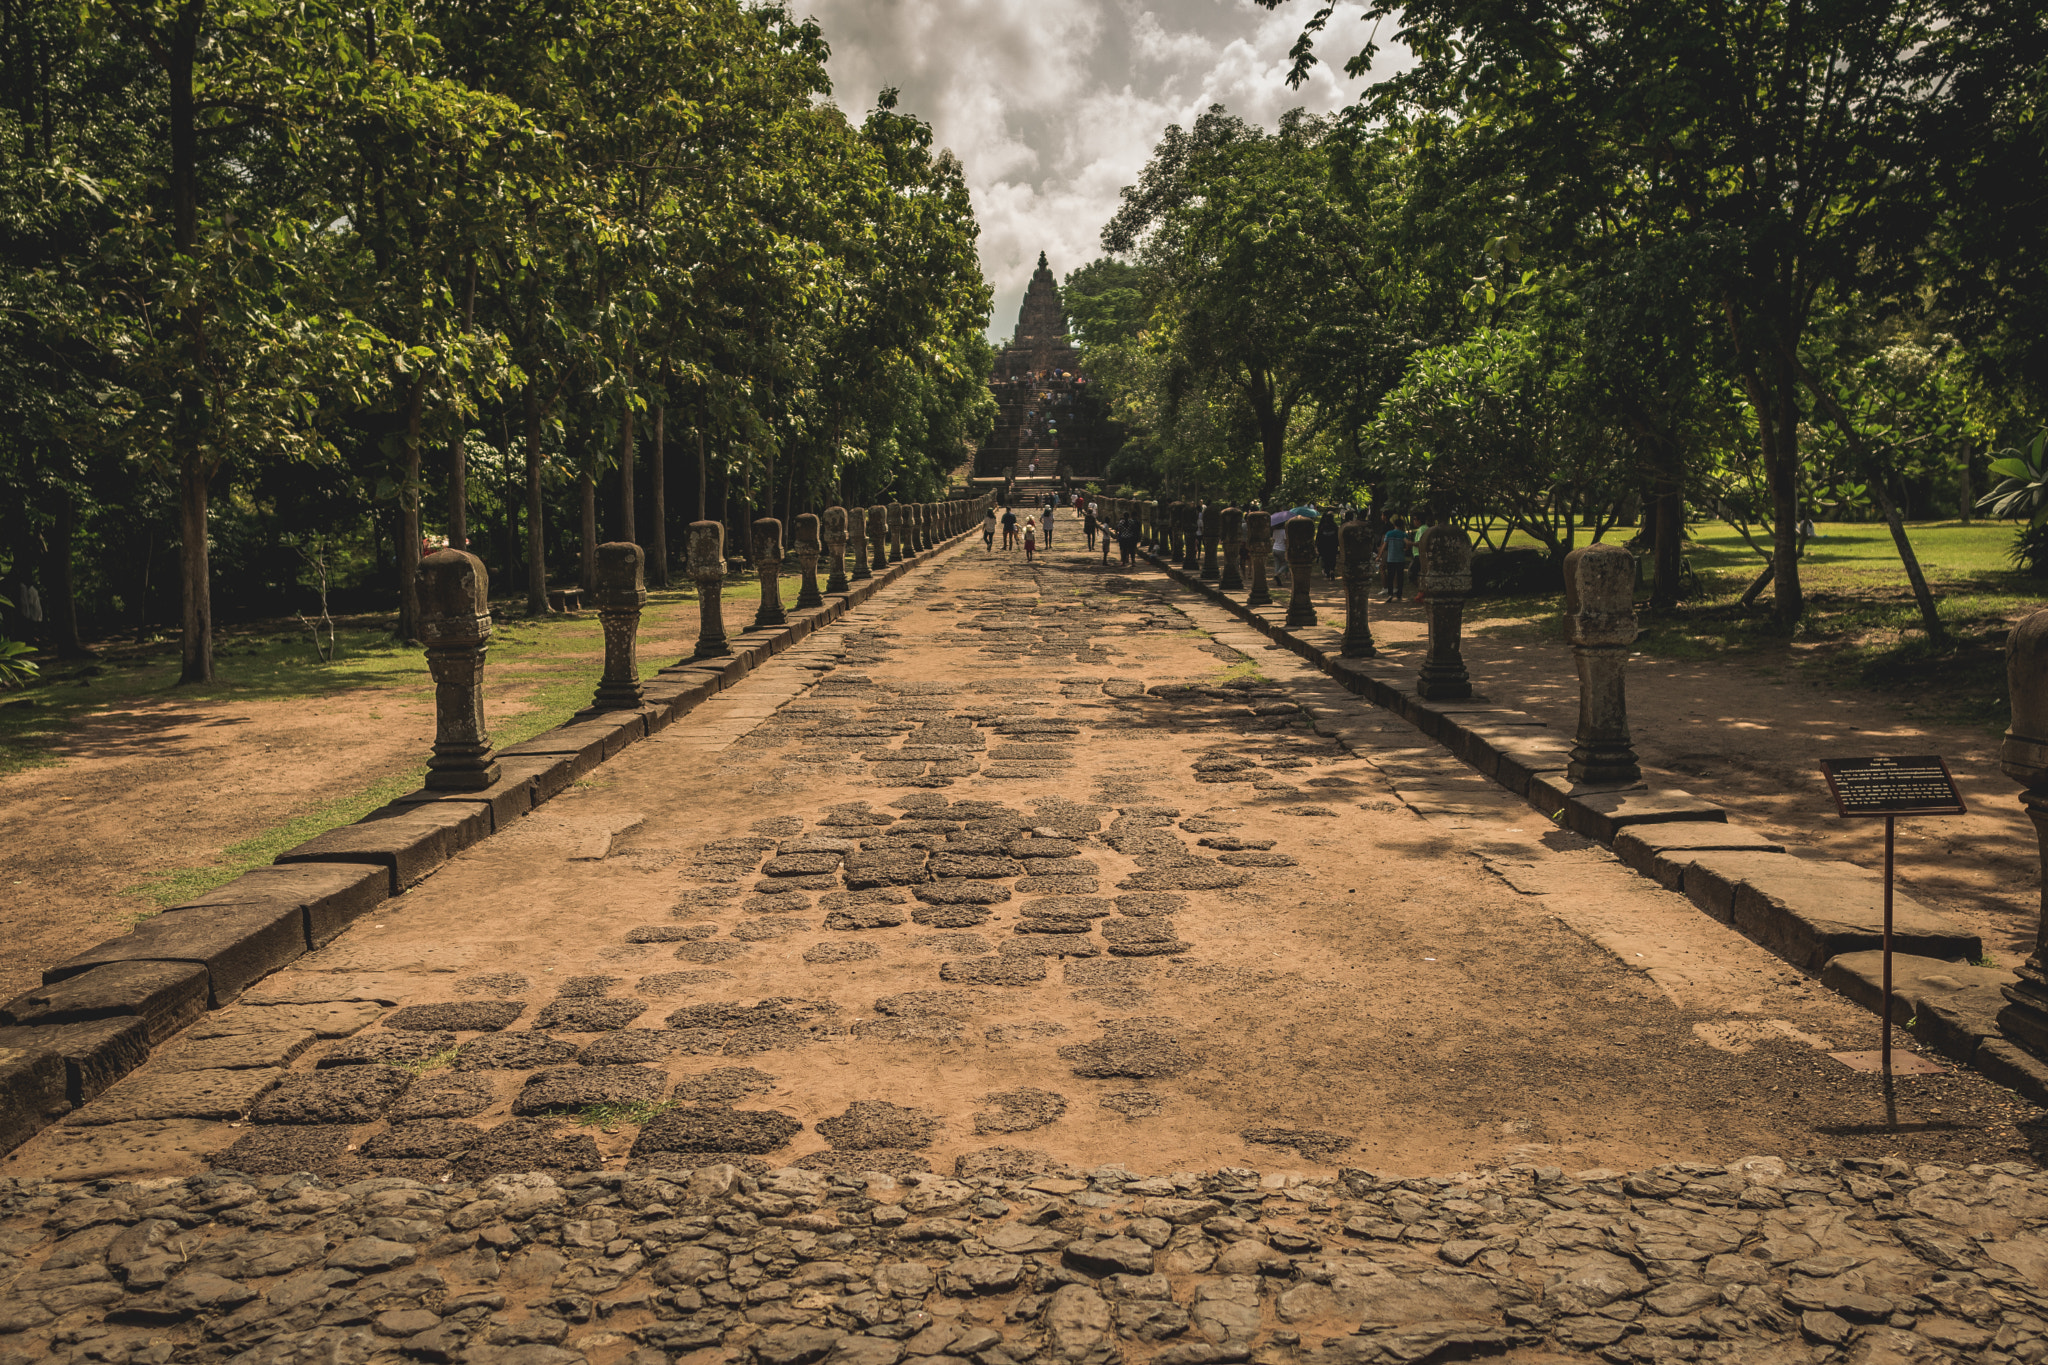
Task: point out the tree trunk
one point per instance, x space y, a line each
1668 507
1930 619
196 648
458 492
62 609
409 523
1969 493
586 487
458 452
196 665
657 492
626 478
703 479
1781 467
536 546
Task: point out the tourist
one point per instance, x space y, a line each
1088 524
1050 509
1326 543
1030 538
988 531
1126 540
1279 548
1009 528
1393 559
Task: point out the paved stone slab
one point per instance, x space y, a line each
179 1095
165 995
337 1019
410 842
238 1050
1953 1005
1808 910
331 896
238 945
1649 848
349 1094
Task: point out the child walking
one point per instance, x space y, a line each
1030 537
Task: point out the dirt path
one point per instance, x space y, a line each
975 867
145 788
1752 738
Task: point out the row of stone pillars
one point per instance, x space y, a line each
454 590
1599 609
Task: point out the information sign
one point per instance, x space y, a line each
1914 785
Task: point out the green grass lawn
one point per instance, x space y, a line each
553 661
1862 627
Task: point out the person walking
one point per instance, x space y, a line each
1393 559
988 531
1088 524
1050 509
1279 548
1416 536
1030 538
1126 541
1326 542
1009 528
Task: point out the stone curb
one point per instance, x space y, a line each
98 1015
1821 915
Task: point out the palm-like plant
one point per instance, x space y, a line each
2023 488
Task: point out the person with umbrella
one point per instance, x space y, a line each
1326 545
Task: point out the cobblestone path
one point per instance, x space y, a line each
1034 966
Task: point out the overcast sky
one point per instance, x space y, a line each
1054 105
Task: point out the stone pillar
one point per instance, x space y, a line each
878 537
768 563
835 548
706 558
1230 530
1446 583
455 625
807 548
1191 538
926 540
1357 550
621 593
895 533
1600 625
2024 758
1212 535
1258 549
1301 553
857 536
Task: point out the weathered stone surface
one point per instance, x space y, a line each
994 971
578 1087
349 1094
95 1053
960 891
712 1128
236 1050
586 1015
868 1124
522 1051
329 1019
442 1095
178 1095
467 1016
285 1149
167 995
378 1048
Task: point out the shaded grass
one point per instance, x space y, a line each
641 1112
557 658
1862 628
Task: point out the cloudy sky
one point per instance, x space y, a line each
1054 105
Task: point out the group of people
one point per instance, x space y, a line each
1397 553
1031 531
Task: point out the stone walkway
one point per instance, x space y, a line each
943 991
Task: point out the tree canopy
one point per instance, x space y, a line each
287 289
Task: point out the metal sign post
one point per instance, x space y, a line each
1891 787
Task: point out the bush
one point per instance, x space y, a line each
2029 552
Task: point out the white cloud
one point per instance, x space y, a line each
1054 105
